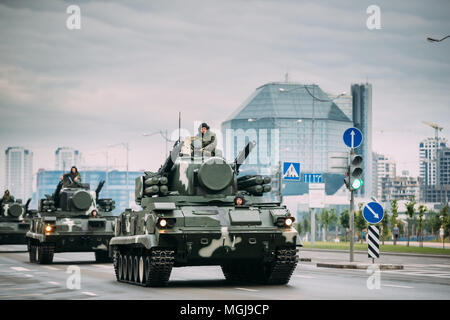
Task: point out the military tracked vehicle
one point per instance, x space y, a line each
72 219
196 212
15 219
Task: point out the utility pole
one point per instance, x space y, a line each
353 177
352 220
128 185
313 212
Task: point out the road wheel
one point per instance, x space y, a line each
125 267
130 268
119 267
141 268
147 268
136 269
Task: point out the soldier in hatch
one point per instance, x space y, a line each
7 197
208 140
72 177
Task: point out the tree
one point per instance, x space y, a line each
325 221
360 222
384 227
306 225
422 210
299 227
332 219
394 221
410 212
436 224
445 220
344 220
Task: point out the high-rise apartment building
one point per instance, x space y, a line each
66 157
383 167
427 154
432 172
19 172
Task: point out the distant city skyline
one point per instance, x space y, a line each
117 78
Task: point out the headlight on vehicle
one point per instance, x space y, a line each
165 223
48 228
162 223
284 222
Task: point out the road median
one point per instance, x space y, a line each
359 265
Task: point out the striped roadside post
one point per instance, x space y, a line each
373 241
373 213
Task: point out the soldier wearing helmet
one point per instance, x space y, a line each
208 140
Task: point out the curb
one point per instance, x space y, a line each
429 255
359 265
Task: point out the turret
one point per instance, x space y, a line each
187 175
16 210
75 198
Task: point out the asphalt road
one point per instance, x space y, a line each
422 278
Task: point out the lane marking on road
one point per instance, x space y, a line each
89 293
20 269
440 265
54 283
28 275
50 268
23 295
246 289
103 266
303 276
435 275
63 259
397 286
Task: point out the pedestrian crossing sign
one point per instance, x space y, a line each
291 171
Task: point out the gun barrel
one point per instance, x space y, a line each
244 154
170 161
99 188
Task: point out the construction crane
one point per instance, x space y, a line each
435 127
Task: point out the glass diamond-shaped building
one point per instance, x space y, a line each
290 123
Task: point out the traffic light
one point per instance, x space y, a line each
353 177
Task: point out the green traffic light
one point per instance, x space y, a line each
357 183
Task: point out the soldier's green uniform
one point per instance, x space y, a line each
7 198
208 139
71 177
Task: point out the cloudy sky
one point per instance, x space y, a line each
134 65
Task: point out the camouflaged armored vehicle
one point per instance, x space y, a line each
15 219
73 219
196 212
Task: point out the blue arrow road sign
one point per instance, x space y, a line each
373 212
352 137
291 170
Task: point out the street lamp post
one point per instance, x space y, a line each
162 133
437 40
298 121
313 218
